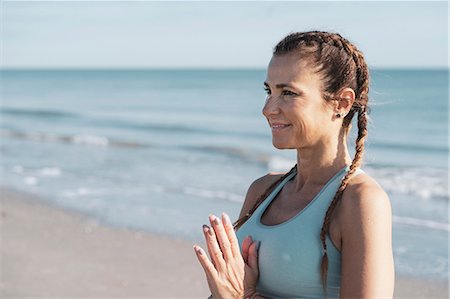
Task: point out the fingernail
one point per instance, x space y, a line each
227 218
216 220
205 228
198 250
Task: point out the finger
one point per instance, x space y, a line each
222 237
253 256
234 243
245 245
208 267
213 247
208 233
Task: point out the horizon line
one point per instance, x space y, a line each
196 68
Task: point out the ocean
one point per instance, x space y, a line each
159 150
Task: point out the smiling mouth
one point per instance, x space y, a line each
279 127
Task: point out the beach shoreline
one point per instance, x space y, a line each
48 251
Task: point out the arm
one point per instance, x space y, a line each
367 258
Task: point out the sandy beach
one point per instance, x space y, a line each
49 252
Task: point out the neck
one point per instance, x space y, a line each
320 162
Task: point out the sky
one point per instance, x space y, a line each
212 34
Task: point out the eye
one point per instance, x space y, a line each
288 93
267 90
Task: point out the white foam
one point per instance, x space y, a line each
50 171
423 183
90 140
82 191
421 222
280 164
29 180
218 194
215 194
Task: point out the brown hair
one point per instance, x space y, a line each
340 65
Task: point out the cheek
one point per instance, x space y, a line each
302 119
305 129
308 119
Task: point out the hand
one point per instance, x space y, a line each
230 274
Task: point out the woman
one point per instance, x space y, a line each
324 228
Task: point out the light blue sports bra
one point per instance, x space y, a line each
290 253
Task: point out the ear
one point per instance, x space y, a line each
346 97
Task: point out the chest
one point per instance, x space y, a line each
289 257
287 205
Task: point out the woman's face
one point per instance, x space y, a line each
295 110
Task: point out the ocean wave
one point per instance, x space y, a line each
50 171
32 175
37 113
78 139
90 140
421 222
84 191
410 147
219 194
213 194
30 180
280 164
125 124
185 128
200 192
423 183
246 155
174 128
103 141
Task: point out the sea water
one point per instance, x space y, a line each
159 150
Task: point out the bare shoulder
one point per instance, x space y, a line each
258 187
362 200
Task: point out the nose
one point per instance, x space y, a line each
270 107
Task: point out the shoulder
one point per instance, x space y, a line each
363 196
364 192
257 188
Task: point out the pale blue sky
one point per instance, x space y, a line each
38 34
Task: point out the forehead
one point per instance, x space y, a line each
291 68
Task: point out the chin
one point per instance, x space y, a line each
282 145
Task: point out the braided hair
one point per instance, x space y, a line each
340 65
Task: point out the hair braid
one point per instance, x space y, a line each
238 223
362 133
